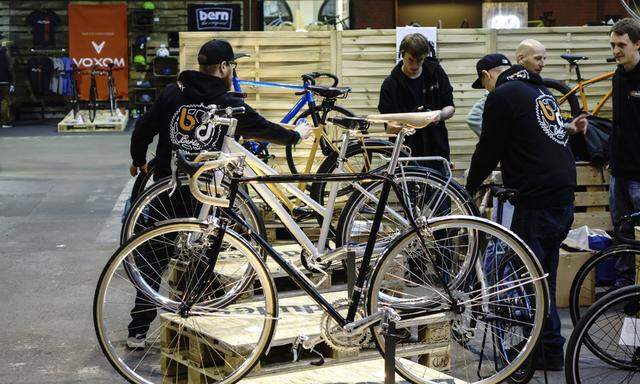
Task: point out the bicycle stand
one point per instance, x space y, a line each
390 353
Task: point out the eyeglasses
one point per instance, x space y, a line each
233 64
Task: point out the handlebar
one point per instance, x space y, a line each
312 76
214 161
503 194
611 59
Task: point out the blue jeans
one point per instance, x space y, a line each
624 199
544 230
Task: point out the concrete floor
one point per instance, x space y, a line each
60 201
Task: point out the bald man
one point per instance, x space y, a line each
531 54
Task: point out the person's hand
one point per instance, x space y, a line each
578 125
133 170
304 129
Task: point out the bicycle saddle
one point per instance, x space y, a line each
573 58
329 92
411 120
241 55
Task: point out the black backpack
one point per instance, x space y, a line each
594 145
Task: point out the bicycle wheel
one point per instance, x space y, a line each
155 204
426 193
585 289
113 103
93 102
571 107
610 331
176 332
289 150
369 156
490 273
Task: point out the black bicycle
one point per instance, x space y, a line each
605 344
193 273
586 288
112 93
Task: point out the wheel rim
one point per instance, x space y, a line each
463 339
162 355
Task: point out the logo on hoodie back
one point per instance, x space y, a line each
550 119
187 131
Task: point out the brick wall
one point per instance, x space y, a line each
575 12
377 14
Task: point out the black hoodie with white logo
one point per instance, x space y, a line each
175 118
523 130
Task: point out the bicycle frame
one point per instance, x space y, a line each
580 89
295 273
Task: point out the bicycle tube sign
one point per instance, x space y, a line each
214 17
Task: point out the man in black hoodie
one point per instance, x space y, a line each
180 105
624 142
523 130
418 83
174 117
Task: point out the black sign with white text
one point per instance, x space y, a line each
214 17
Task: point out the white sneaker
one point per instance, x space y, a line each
137 341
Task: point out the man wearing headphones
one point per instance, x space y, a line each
418 83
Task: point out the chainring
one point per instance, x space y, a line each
336 337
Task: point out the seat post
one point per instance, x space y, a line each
578 71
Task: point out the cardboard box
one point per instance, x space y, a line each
568 266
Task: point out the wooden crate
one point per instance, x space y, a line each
592 197
103 122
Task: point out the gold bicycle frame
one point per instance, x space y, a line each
580 87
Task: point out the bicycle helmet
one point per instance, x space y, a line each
139 60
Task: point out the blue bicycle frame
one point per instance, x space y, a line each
305 99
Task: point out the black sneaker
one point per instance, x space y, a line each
550 363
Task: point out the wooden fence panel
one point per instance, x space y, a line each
363 58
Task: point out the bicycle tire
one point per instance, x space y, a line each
578 287
144 363
93 102
357 201
384 290
113 102
563 89
382 148
581 337
132 224
290 148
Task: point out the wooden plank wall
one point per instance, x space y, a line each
363 58
276 56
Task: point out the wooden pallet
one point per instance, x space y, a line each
592 197
192 348
228 264
103 122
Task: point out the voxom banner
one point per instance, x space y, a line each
214 17
97 38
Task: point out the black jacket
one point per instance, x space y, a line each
177 111
624 142
522 128
396 97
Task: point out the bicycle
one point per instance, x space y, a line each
72 99
605 343
207 313
585 287
423 185
570 95
111 90
363 154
